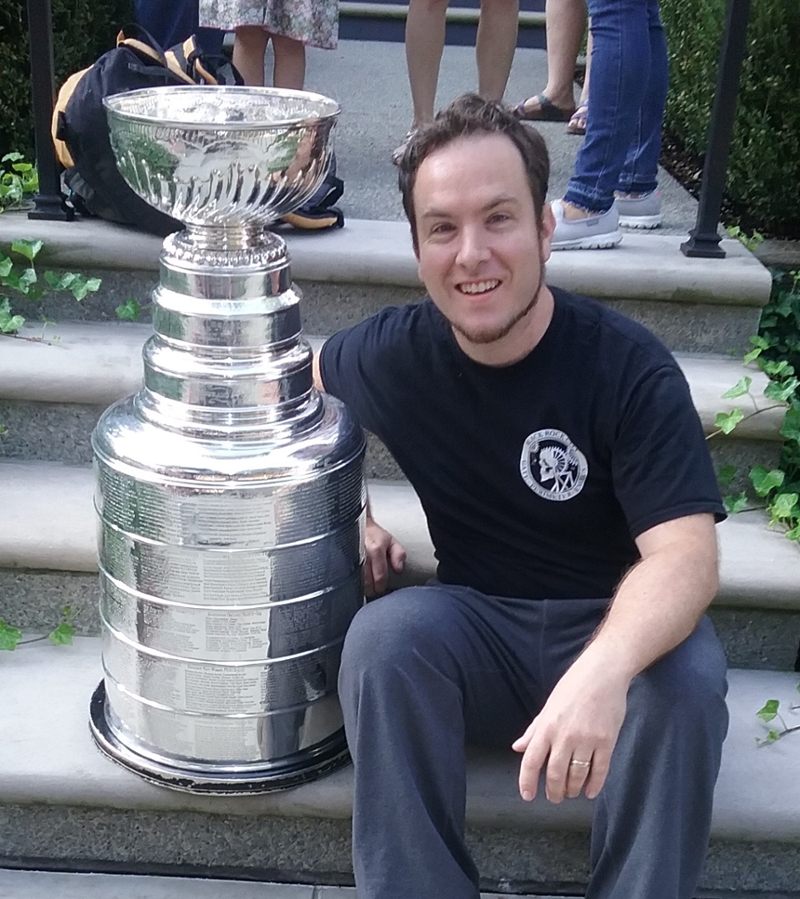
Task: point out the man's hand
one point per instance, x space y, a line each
574 734
384 553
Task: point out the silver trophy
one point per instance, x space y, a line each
230 494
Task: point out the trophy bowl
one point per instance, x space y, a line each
221 157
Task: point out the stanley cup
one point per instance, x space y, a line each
230 494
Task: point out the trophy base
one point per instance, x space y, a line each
283 774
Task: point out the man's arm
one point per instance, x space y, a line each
384 553
657 605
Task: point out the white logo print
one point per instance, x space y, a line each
552 466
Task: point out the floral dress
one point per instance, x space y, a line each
312 22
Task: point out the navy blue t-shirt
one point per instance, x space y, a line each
535 477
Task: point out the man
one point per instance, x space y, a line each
571 500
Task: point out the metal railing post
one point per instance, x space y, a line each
703 238
48 201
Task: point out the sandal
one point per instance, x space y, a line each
547 111
577 122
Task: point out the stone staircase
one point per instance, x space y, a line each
65 808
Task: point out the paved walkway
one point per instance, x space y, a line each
369 79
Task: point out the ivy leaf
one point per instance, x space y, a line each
59 282
726 474
783 506
12 157
727 421
777 369
5 266
27 248
129 311
9 323
791 425
772 736
740 388
735 504
770 710
794 534
781 391
82 286
62 635
764 481
9 636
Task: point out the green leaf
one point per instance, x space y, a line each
9 323
727 421
791 425
129 311
740 388
59 282
764 481
12 157
772 736
5 266
27 248
82 286
781 391
62 635
769 711
726 474
783 506
9 636
794 534
735 504
777 369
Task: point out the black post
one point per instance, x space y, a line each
703 238
49 202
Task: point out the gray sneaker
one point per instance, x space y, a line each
639 212
594 233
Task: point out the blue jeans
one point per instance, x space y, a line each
629 78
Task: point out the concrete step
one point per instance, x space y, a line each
693 305
48 560
55 385
62 804
27 884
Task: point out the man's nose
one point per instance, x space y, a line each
473 247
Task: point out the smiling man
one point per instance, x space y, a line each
571 501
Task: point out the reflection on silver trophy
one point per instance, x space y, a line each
230 494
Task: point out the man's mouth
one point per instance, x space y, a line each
478 287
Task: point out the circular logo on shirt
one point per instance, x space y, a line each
552 466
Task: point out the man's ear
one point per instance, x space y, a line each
546 229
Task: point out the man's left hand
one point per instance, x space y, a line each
575 733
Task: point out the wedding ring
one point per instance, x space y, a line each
582 764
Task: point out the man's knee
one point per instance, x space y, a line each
395 631
688 682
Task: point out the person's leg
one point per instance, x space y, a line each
494 46
565 25
653 816
248 53
422 670
290 63
425 33
641 163
620 71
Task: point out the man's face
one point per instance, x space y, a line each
481 251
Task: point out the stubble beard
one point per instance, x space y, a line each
483 337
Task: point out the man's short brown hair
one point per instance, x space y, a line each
466 116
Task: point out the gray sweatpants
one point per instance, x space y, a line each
427 669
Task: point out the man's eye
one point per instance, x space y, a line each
441 228
499 217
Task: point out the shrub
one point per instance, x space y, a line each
764 165
82 31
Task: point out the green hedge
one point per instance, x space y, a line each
82 31
764 165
